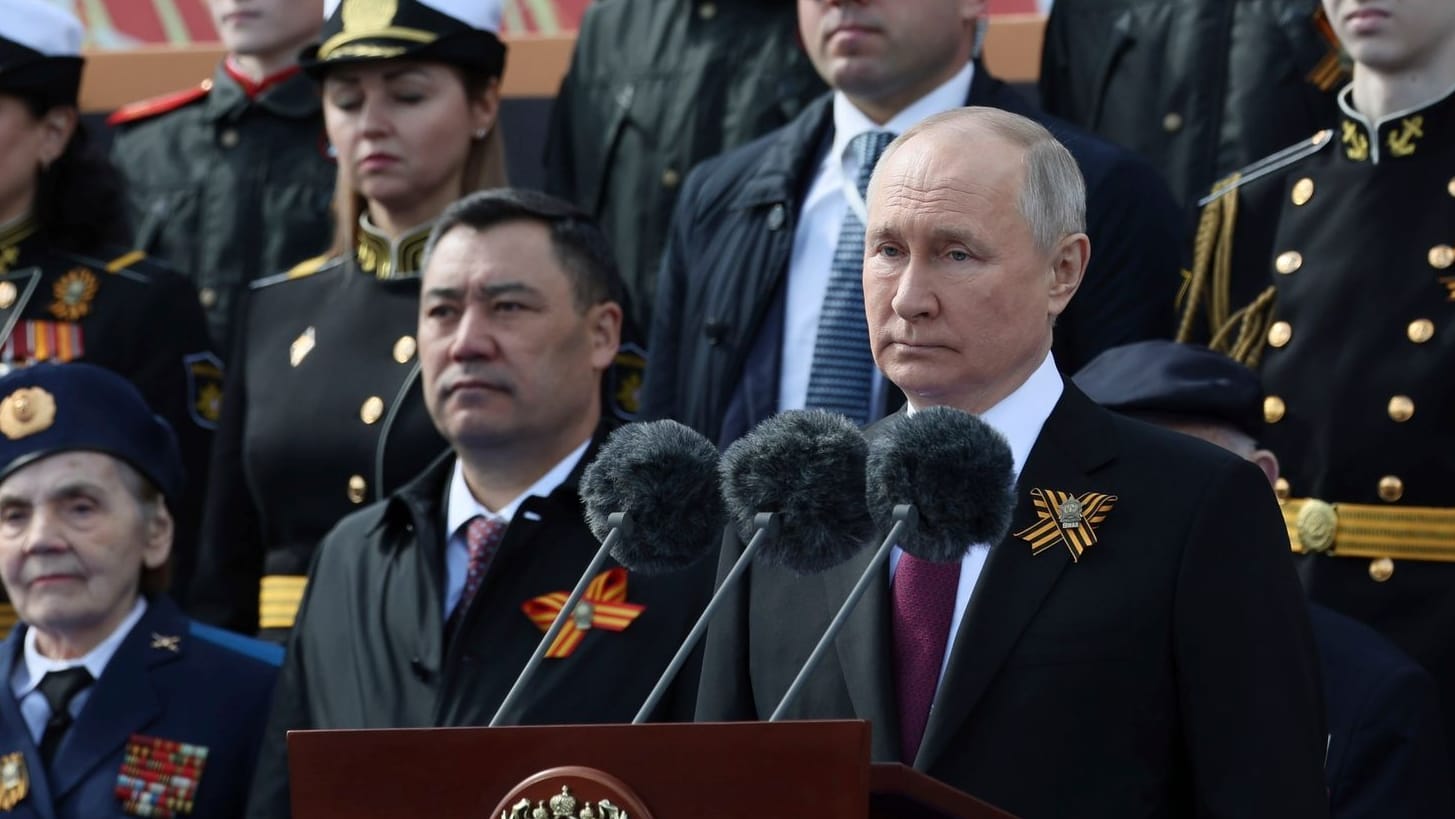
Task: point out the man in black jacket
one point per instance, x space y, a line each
421 610
754 316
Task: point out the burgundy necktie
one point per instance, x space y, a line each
482 538
923 599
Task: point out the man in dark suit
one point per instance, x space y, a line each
757 306
1167 669
422 609
116 704
1387 754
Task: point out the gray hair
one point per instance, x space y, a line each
1053 194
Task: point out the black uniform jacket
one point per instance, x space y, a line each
654 88
369 650
128 314
1169 672
227 185
715 343
170 680
324 413
1354 230
1198 87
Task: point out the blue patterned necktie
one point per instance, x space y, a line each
842 376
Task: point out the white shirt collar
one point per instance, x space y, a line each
95 660
461 505
1020 415
849 121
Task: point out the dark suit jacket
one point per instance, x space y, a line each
1387 755
212 690
717 328
1170 672
369 649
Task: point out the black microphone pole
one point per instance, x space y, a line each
906 519
621 527
768 525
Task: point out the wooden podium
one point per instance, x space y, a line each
745 770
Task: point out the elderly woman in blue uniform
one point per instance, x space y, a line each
67 292
325 411
115 704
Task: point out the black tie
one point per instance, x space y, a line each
59 688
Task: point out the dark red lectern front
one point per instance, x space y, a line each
688 771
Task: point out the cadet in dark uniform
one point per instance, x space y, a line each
1332 264
230 180
325 412
66 292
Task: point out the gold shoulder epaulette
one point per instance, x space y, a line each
1269 164
302 270
125 260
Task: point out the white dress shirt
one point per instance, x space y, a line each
461 507
817 234
1019 417
27 674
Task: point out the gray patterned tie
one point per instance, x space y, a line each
841 378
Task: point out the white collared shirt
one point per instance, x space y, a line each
461 507
817 235
27 674
1019 417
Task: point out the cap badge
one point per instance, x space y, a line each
26 411
14 780
368 15
1065 518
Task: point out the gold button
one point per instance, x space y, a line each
1421 330
1442 256
1172 123
1280 333
1273 409
208 297
1303 190
1282 489
372 410
1288 262
707 11
1401 408
670 178
1451 187
7 295
1391 488
1381 569
358 489
229 138
404 349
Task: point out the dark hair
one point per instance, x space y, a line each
579 244
79 201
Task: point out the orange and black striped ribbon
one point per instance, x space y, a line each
609 610
1048 531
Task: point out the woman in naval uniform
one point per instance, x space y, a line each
68 291
323 410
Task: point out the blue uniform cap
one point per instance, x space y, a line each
1167 378
48 409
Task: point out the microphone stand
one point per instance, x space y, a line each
621 526
768 525
906 519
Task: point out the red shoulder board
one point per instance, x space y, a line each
158 105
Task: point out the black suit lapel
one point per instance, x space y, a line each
864 650
123 701
1074 442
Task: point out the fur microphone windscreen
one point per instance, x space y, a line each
807 465
955 469
664 475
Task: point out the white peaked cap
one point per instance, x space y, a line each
481 14
43 26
